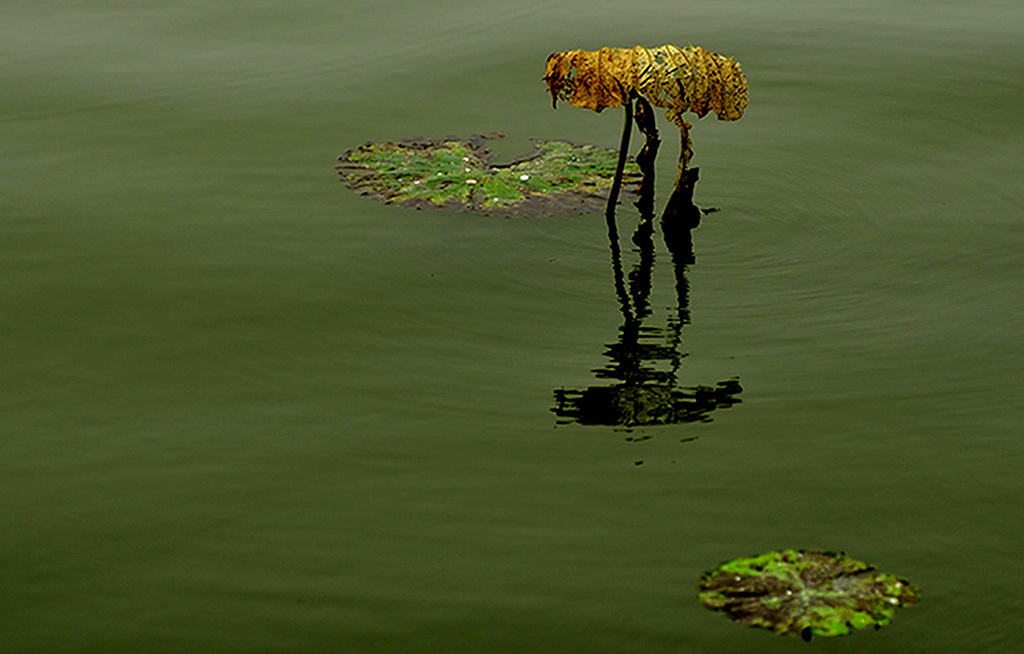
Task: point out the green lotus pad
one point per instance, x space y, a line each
806 593
557 178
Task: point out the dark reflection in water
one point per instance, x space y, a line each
645 360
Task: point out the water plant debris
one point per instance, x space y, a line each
556 178
805 592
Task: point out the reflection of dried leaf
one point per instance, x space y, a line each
646 404
677 79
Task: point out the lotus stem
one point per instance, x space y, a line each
613 194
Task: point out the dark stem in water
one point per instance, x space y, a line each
613 194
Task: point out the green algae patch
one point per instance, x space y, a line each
806 593
557 178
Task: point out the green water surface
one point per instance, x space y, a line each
244 409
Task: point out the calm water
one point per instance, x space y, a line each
244 409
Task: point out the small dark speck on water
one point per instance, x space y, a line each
639 463
638 439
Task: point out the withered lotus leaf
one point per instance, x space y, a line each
676 79
557 178
806 593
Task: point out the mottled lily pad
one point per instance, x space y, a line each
806 593
557 178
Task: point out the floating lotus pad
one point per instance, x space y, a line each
556 178
806 593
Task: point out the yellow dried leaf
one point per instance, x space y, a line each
676 79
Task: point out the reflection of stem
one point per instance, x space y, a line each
640 279
645 393
681 248
629 354
642 392
620 278
613 195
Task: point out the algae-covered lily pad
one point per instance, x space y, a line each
806 593
557 178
